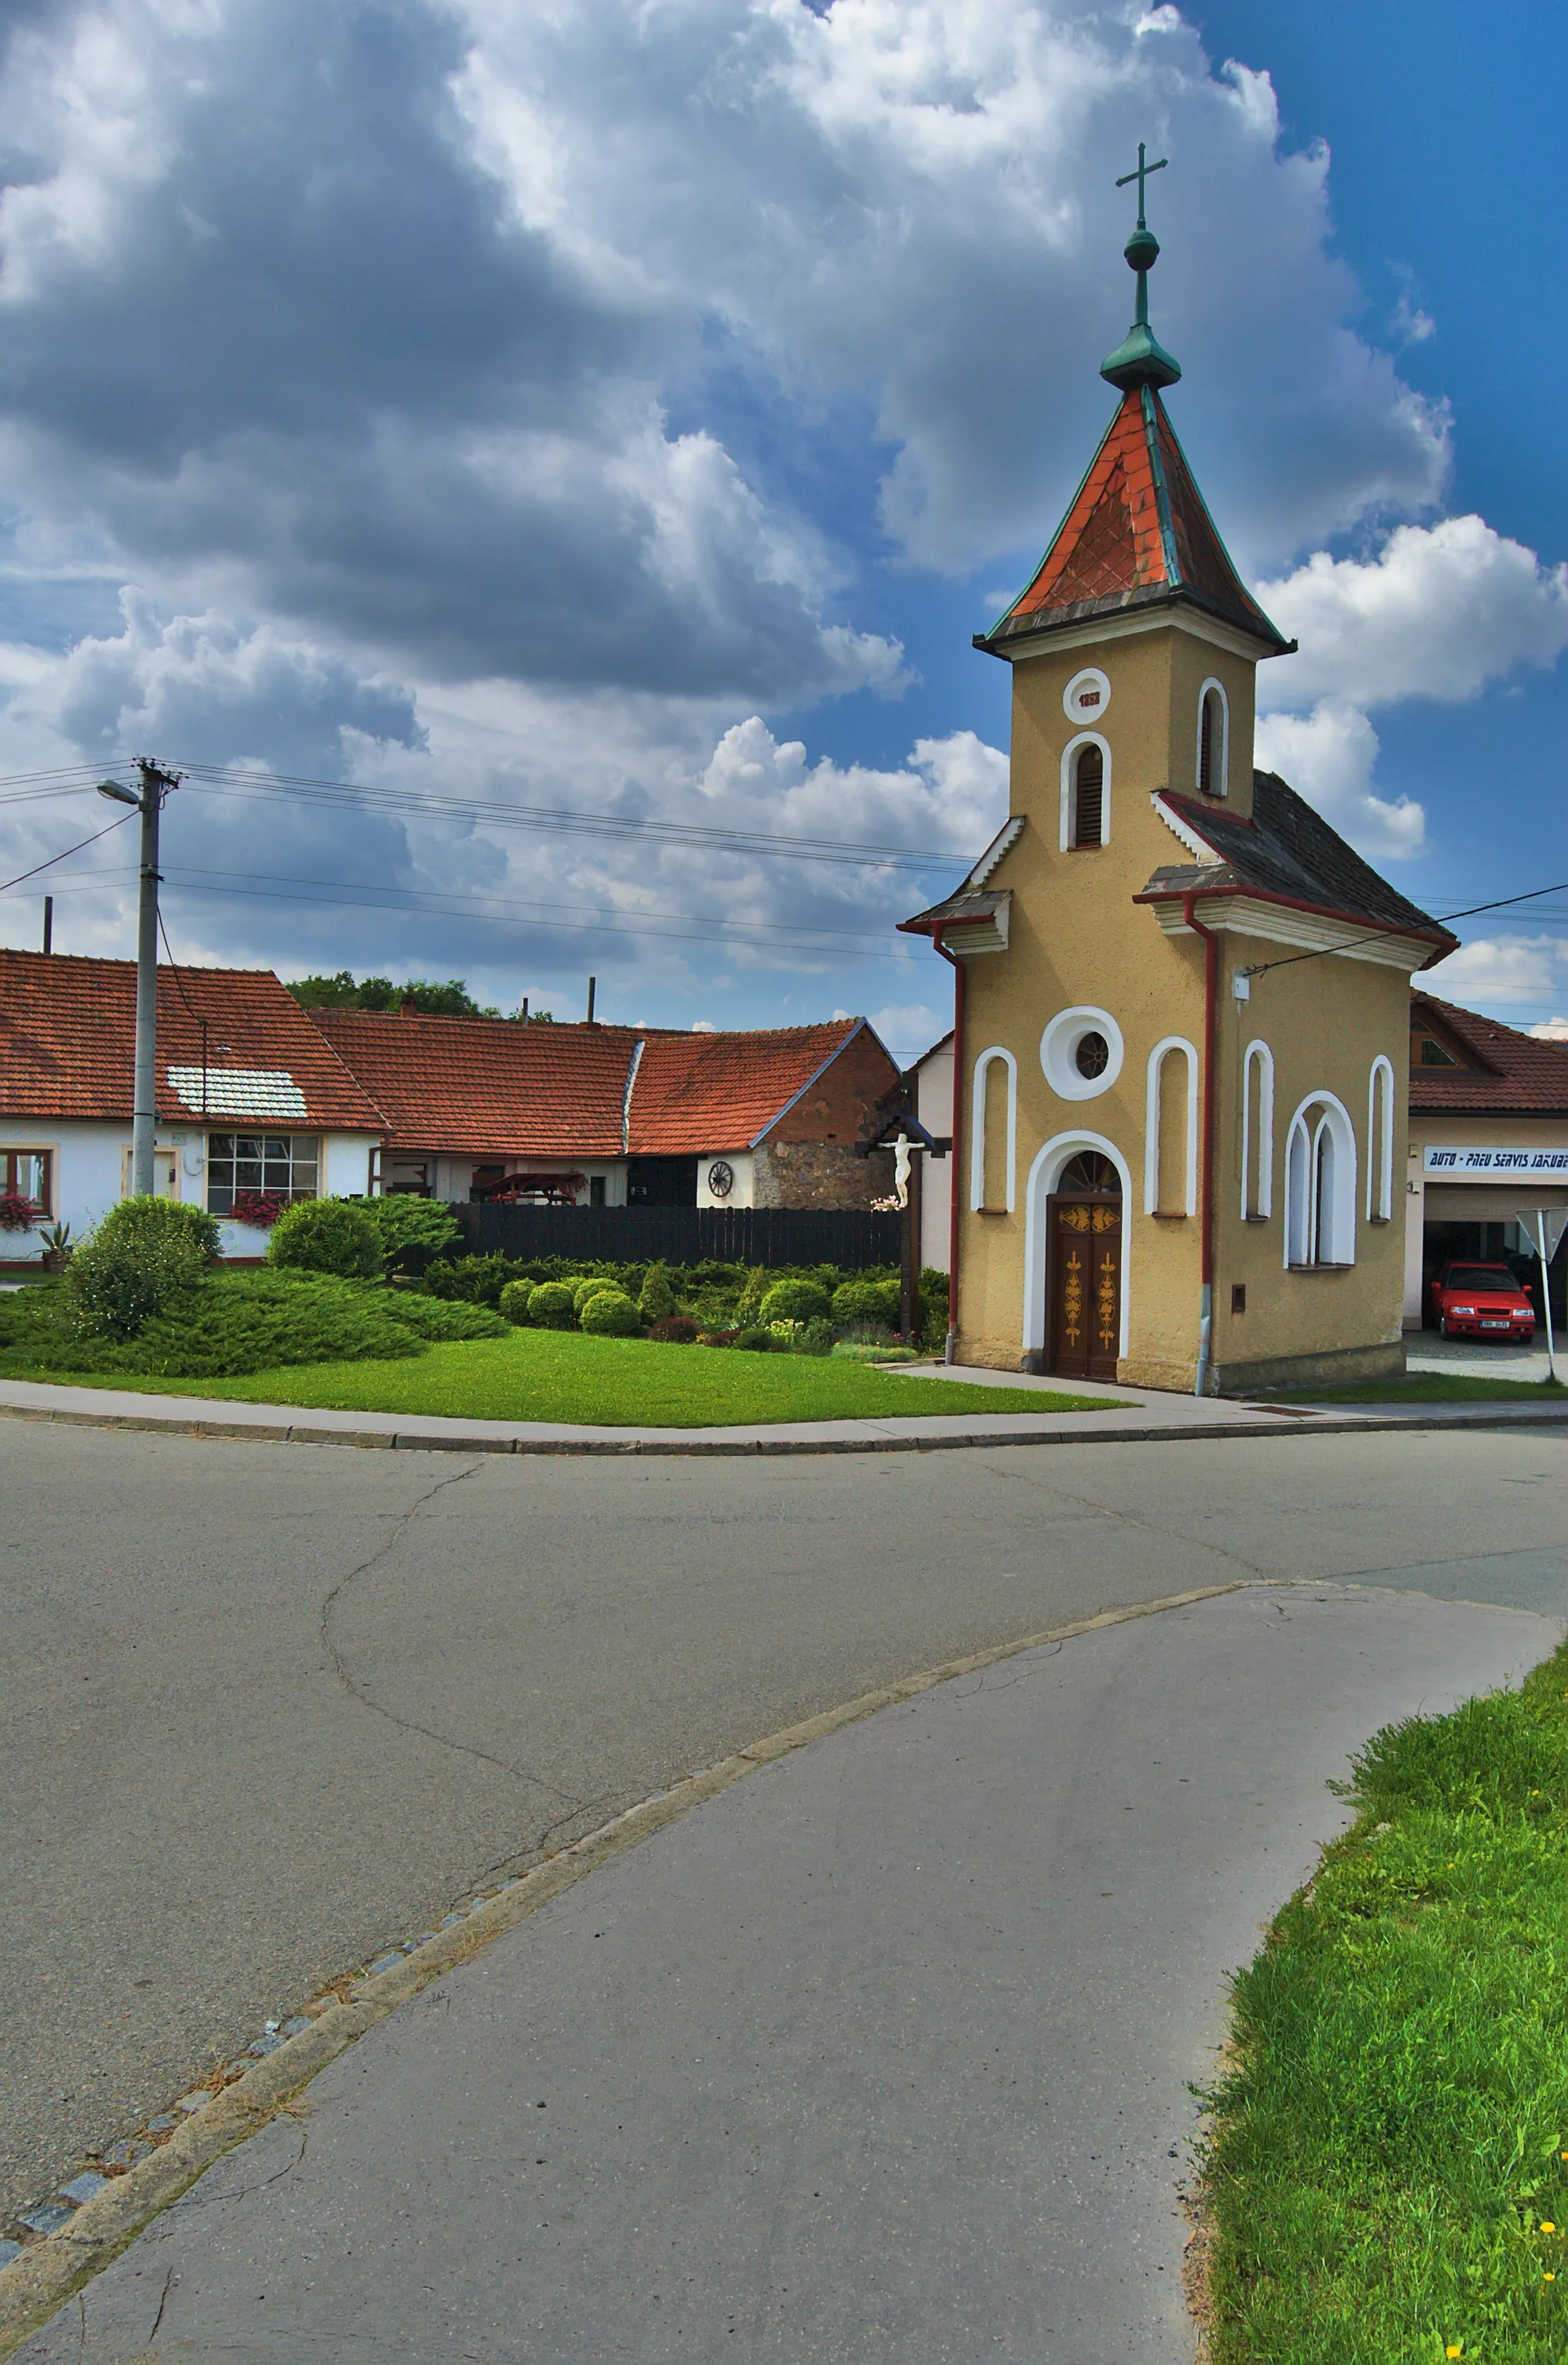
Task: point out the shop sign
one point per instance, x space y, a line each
1471 1164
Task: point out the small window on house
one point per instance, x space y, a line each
1088 797
1093 1171
265 1165
1211 743
25 1174
596 1190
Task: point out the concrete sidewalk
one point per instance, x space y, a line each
1131 1416
882 2052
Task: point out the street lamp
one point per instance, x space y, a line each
148 801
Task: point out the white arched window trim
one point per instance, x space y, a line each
1157 1058
1222 768
1320 1146
1044 1174
1258 1055
1068 759
976 1125
1380 1141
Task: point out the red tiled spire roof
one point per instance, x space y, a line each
1137 534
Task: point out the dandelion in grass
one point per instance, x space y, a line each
1456 2348
1547 2226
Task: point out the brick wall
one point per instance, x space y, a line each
809 1160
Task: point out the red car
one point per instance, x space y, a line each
1481 1300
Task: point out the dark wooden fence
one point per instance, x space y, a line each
849 1237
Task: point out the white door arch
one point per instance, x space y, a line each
1045 1175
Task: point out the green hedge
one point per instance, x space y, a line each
145 1257
332 1236
610 1314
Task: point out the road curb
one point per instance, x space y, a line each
1293 1422
34 2286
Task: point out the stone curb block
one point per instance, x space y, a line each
1267 1422
34 2286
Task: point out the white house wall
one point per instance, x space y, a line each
934 1107
742 1164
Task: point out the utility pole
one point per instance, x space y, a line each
148 800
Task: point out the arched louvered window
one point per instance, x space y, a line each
1089 796
1213 740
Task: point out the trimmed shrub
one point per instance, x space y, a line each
856 1350
550 1307
610 1314
452 1318
813 1338
867 1301
758 1341
750 1308
332 1236
794 1301
412 1230
146 1256
674 1330
589 1286
479 1279
656 1300
514 1299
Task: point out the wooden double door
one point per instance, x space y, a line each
1083 1285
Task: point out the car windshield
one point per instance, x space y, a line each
1481 1276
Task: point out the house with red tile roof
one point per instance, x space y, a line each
252 1101
1489 1136
593 1115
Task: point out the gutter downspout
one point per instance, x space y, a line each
950 1352
1206 1186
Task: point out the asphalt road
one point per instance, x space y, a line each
264 1708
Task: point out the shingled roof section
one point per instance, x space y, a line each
491 1087
68 1046
1288 853
488 1087
725 1092
1137 534
1518 1075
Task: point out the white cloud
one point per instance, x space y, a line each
1551 1030
1329 756
1503 970
910 1028
1439 613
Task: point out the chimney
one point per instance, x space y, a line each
593 983
407 1007
48 924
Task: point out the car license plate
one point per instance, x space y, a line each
1488 1324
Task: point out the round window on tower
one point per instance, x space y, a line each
1082 1053
1092 1054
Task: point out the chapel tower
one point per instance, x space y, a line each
1158 1121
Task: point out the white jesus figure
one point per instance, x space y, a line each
900 1169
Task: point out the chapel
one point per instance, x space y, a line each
1182 1002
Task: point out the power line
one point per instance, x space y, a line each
6 885
215 781
1502 903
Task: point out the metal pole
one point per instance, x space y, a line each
144 1099
1546 1295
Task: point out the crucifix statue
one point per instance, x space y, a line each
900 1169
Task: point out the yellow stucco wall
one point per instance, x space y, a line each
1077 938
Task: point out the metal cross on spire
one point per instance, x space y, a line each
1140 176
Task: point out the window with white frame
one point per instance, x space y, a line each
1320 1186
1256 1133
1380 1141
27 1174
265 1165
1171 1129
1213 740
1085 794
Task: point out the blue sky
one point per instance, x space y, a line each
633 411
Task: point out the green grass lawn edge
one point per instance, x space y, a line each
1385 2163
563 1377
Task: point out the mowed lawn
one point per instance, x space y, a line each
553 1376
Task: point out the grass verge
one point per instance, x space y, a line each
1387 2158
553 1376
1438 1387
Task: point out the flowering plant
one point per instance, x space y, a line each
885 1206
261 1209
17 1213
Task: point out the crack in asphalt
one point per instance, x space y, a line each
400 1526
1149 1527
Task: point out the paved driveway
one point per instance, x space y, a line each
263 1709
